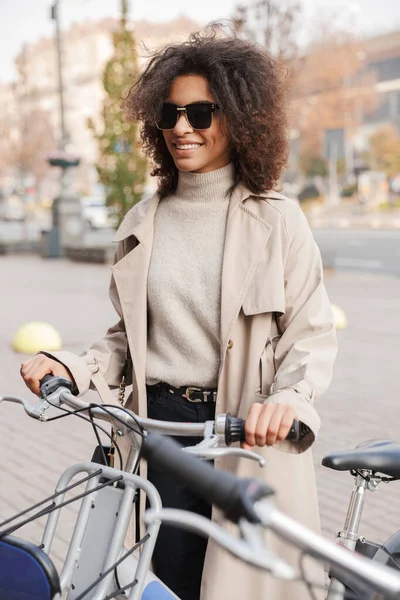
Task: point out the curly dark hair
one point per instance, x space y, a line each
248 85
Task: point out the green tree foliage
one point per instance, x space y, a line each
312 165
121 166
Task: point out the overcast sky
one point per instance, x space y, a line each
29 20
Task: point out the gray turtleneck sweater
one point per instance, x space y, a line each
184 281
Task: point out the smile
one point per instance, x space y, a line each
187 146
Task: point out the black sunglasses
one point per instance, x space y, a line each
199 115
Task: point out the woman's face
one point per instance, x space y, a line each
210 147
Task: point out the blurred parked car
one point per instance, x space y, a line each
12 209
95 212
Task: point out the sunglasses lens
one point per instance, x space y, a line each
168 116
199 115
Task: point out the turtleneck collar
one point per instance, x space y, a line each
206 187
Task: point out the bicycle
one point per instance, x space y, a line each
97 566
111 493
371 463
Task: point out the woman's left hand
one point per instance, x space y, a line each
267 424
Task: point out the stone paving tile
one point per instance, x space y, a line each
362 402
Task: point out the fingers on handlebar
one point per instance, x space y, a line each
267 424
237 429
35 369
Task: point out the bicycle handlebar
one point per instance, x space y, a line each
218 435
234 497
232 428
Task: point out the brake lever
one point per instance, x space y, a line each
262 557
36 412
211 453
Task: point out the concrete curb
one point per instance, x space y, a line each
12 247
93 254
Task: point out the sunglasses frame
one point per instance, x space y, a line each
182 110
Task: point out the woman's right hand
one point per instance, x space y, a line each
33 370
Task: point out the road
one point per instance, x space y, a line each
369 251
366 250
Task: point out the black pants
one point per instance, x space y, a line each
179 555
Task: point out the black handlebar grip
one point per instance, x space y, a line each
50 383
234 430
234 496
45 379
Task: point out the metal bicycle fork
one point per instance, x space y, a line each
348 536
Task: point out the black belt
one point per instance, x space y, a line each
190 393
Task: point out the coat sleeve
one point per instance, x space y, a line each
107 355
307 347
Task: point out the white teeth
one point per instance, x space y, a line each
188 146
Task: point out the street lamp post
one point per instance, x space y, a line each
66 213
124 12
63 133
55 17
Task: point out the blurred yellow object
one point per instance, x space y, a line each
35 336
46 203
339 316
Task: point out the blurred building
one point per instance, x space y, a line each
86 48
382 62
383 59
343 107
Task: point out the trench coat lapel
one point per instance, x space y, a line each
246 237
130 276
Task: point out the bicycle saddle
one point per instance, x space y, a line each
381 456
26 572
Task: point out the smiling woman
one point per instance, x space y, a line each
218 287
248 91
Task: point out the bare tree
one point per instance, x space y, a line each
272 23
39 140
28 144
27 133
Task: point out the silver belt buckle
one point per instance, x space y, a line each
187 394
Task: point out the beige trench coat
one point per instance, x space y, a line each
271 265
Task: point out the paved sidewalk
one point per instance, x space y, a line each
362 402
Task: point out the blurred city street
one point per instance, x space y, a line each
361 404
